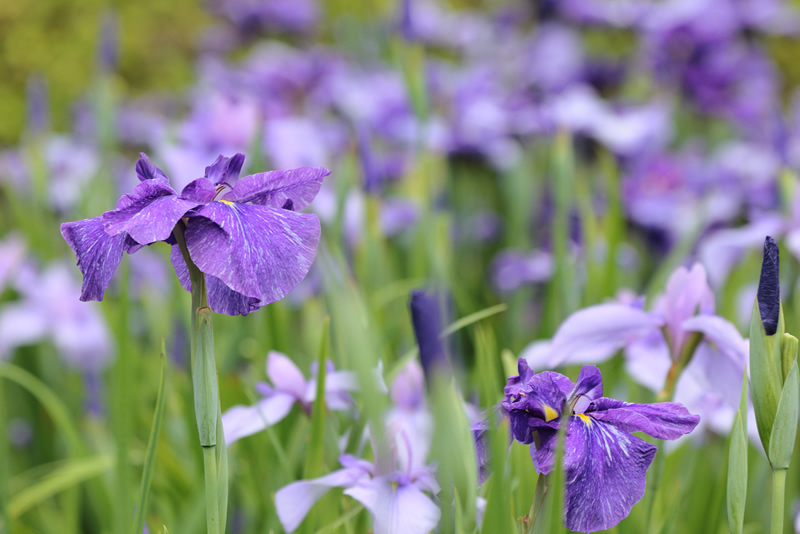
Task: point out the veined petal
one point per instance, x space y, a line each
293 502
97 252
285 375
257 251
225 171
146 170
605 473
295 187
200 190
221 298
152 214
396 508
663 420
242 421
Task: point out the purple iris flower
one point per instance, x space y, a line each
393 489
605 464
288 387
244 234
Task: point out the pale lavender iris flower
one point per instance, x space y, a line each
396 490
49 310
654 340
605 464
288 387
244 234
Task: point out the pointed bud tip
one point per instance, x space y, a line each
769 303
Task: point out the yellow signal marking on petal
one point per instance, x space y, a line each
228 202
585 419
549 413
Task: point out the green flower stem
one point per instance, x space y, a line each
206 396
778 497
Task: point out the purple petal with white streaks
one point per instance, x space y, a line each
97 252
292 189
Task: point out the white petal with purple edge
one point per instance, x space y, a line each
293 502
242 421
396 509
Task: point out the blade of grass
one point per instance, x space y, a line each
152 445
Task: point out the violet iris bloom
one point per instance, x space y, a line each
288 387
244 234
605 464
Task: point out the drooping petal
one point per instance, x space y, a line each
721 333
242 421
663 420
97 252
225 171
257 251
152 214
396 508
605 474
221 298
596 333
146 170
285 375
277 188
293 502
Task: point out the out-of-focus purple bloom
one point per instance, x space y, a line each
653 341
392 489
49 311
244 234
605 464
108 51
12 253
20 433
255 16
38 106
398 214
512 269
288 387
297 142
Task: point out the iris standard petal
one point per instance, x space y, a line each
396 508
291 189
293 502
663 420
589 384
153 213
285 375
225 171
242 421
97 252
257 251
605 473
146 170
200 190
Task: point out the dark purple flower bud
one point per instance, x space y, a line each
769 298
427 322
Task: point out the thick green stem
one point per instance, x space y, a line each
778 498
206 396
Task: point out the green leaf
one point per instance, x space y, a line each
313 464
72 473
788 353
152 445
737 465
765 383
781 443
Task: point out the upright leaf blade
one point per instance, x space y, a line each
764 382
152 444
784 429
737 465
